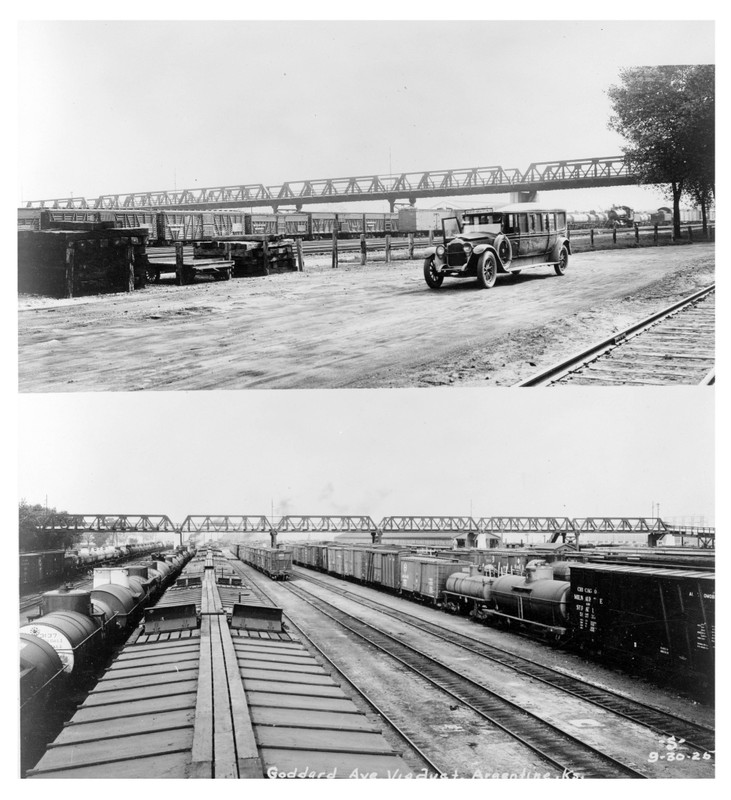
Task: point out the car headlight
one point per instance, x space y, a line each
440 250
467 247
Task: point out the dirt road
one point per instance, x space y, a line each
371 326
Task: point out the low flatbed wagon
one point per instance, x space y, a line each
187 271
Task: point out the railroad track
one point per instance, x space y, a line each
696 736
27 603
672 346
569 755
408 738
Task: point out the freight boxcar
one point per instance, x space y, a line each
147 220
295 223
655 620
422 220
322 224
351 223
260 224
383 567
176 226
272 561
425 578
334 559
224 223
37 569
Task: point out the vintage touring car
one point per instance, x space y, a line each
486 243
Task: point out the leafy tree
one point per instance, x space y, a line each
32 539
701 186
666 113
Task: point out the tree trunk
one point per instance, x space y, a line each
704 217
677 191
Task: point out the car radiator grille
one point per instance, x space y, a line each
456 256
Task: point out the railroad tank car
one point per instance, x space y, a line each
621 216
117 603
468 592
77 624
535 599
40 666
76 637
73 632
588 219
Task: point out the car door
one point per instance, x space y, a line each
519 240
538 235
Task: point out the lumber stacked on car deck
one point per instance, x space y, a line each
252 255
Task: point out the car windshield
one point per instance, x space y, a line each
482 223
451 227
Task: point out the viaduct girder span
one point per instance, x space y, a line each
326 524
566 529
436 527
196 525
539 176
107 523
146 525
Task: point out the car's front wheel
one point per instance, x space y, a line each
432 276
563 261
487 270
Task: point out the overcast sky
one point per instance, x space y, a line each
555 452
124 106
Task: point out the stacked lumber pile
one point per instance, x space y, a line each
252 255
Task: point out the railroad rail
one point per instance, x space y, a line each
700 737
561 174
672 346
567 753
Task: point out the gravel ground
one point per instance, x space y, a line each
356 327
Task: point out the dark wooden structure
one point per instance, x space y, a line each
81 259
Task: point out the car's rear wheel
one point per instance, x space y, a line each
563 261
431 275
487 270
